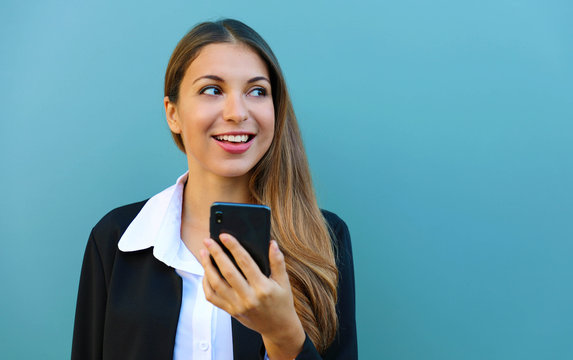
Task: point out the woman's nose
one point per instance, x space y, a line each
235 108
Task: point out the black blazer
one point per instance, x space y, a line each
129 302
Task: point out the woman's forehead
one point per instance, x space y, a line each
227 60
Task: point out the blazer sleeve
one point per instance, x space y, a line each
344 346
101 249
90 307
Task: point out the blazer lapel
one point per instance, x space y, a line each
247 344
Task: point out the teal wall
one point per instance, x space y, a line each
441 131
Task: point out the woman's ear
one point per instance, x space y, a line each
172 115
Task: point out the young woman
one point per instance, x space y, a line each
148 289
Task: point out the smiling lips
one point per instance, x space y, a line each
235 143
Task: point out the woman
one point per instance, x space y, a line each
148 289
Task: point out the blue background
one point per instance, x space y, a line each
440 131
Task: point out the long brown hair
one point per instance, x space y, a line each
280 180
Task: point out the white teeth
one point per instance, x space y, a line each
233 138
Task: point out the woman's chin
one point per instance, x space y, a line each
231 172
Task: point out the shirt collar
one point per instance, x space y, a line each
158 225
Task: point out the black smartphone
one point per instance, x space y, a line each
250 224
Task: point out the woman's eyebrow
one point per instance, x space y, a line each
212 77
257 78
219 79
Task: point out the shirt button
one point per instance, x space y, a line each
203 345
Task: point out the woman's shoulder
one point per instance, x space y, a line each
339 233
336 225
113 224
332 219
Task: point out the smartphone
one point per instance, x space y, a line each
250 224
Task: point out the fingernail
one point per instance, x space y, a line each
207 242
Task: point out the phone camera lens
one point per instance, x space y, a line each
219 217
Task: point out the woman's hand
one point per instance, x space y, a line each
260 303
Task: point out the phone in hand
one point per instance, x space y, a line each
250 224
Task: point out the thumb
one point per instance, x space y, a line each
278 267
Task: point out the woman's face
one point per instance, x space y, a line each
225 111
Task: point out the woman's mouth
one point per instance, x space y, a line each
234 138
234 143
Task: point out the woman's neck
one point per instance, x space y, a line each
201 191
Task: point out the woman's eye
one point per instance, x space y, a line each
258 92
210 90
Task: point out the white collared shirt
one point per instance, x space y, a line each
203 331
